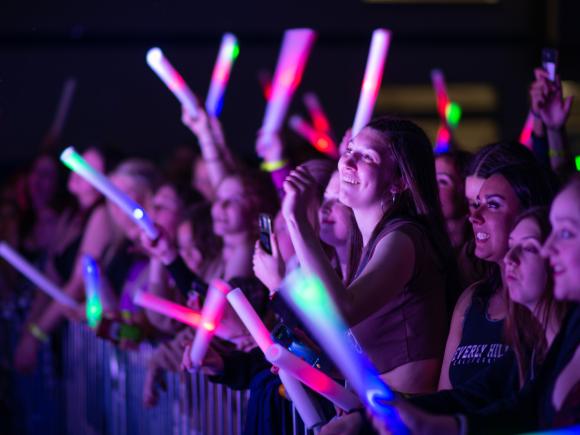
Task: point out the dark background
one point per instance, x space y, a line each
120 101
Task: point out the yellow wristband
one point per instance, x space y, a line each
37 333
273 166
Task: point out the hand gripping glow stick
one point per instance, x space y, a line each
319 140
315 379
64 104
372 80
258 330
319 118
76 163
211 315
549 62
173 80
30 272
293 56
94 306
526 134
307 295
229 51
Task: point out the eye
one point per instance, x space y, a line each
473 205
368 158
565 234
531 249
348 150
443 182
493 205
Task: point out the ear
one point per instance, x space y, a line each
398 187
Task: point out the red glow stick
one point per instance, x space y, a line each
265 80
173 80
319 119
441 96
372 81
229 50
526 134
167 308
319 140
292 60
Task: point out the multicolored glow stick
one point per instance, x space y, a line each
441 96
229 51
526 134
211 315
292 60
449 112
76 163
312 377
173 80
258 330
307 295
372 81
30 272
93 304
319 118
319 140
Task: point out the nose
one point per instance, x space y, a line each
475 216
348 161
512 256
548 247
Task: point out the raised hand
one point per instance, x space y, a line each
270 269
161 248
300 190
269 147
547 100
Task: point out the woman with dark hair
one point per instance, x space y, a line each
395 304
475 339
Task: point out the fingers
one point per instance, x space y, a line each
186 363
274 245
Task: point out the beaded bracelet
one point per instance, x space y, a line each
37 333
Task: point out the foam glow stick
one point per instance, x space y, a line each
314 378
265 79
76 163
211 315
93 305
62 110
319 140
441 96
372 80
173 80
229 51
167 308
526 134
319 118
259 332
577 161
307 295
30 272
293 56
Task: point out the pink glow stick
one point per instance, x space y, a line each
310 376
265 79
293 56
372 80
441 96
258 330
167 308
319 140
319 118
229 50
211 315
173 80
526 134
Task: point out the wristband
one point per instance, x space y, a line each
37 333
273 166
556 153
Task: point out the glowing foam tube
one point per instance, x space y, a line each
93 304
265 80
313 378
211 315
250 319
319 140
228 53
293 56
309 298
30 272
62 111
319 119
173 80
167 308
372 80
526 134
76 163
441 96
259 332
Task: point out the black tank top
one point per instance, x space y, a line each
482 343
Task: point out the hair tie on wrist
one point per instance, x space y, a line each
37 333
273 166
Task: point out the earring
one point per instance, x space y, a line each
394 197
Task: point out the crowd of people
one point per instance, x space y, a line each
457 274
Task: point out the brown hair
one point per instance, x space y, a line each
525 331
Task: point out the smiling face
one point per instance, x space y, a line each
525 269
231 210
563 246
367 171
491 219
451 188
334 217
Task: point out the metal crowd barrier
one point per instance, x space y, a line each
103 388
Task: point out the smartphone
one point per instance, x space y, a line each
550 62
285 337
265 223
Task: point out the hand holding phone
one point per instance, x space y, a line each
550 62
265 223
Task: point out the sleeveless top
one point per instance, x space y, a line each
482 343
412 326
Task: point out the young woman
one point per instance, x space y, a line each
396 301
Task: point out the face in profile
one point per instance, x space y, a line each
334 217
200 179
563 246
78 186
231 209
498 207
525 269
190 253
167 209
451 188
367 171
